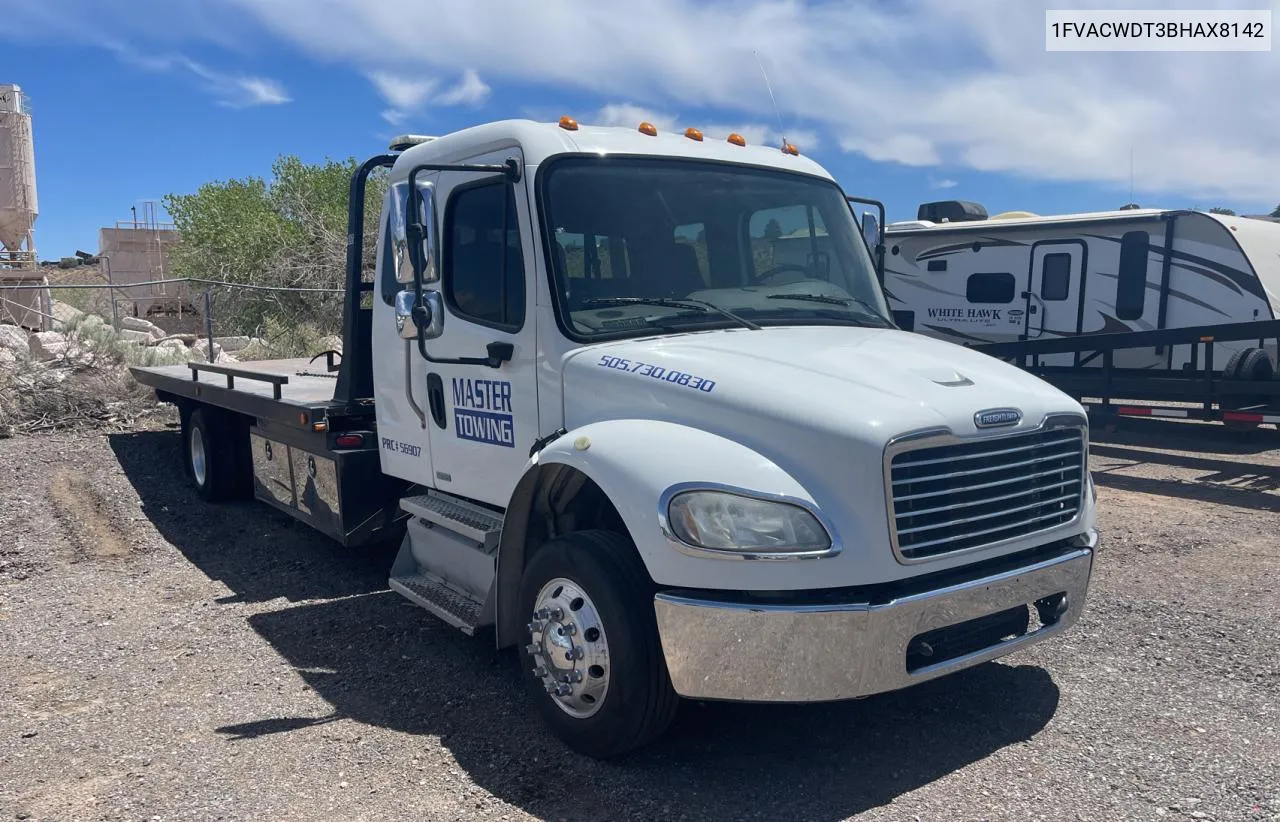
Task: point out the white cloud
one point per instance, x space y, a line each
402 92
630 114
232 90
925 83
408 96
943 183
470 91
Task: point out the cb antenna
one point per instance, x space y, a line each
777 113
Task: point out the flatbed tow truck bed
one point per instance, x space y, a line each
276 389
309 453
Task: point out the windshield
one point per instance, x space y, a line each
643 245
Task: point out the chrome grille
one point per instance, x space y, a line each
966 495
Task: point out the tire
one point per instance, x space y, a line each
1255 365
620 696
209 455
1247 364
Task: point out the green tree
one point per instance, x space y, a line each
772 230
288 231
1276 211
1224 211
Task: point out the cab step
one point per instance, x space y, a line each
458 515
454 607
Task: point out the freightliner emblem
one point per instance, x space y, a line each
997 417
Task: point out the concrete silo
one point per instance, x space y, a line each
18 211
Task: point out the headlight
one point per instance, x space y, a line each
722 521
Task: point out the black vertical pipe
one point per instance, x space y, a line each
355 374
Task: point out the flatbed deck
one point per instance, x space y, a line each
287 390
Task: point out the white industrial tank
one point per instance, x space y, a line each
18 207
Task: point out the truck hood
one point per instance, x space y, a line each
759 387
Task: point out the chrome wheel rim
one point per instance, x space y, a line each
197 455
568 648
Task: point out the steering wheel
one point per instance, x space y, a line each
775 271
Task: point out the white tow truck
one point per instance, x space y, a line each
610 426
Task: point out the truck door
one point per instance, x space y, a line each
483 420
1054 294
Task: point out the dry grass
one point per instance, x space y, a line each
89 384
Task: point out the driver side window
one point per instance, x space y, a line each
789 236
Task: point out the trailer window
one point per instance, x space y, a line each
1131 286
1055 276
476 285
990 288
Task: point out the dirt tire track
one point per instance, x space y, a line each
80 507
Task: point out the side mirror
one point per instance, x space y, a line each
406 322
425 317
430 314
417 243
871 229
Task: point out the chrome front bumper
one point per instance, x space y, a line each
753 652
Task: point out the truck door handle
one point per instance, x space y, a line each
435 398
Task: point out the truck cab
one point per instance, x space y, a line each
634 403
666 451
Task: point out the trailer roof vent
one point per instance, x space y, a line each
404 141
951 211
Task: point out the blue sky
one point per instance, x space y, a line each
906 101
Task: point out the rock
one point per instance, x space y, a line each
47 345
139 324
65 316
200 350
224 358
139 337
232 343
329 343
185 339
13 339
7 358
171 344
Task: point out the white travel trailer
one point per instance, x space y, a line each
959 275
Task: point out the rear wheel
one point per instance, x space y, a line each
591 652
209 455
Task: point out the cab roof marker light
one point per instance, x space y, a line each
737 139
790 148
693 134
648 128
568 123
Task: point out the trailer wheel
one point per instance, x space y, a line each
591 654
209 455
1232 368
1247 364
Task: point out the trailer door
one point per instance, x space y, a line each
1054 293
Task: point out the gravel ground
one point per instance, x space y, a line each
167 660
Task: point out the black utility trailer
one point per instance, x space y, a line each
1242 392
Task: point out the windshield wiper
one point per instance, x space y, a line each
817 298
823 298
695 305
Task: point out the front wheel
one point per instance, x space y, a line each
591 651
